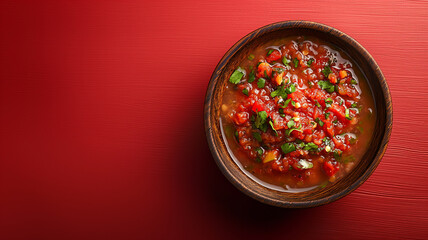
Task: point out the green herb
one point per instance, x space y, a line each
282 115
257 136
271 124
237 75
304 164
270 52
326 71
317 103
251 77
337 155
289 131
311 84
278 70
293 103
259 151
353 81
327 114
266 75
328 102
245 91
258 159
354 105
311 146
288 148
285 61
251 57
281 110
352 140
252 118
291 124
286 103
261 120
279 92
296 62
347 114
321 123
290 89
310 62
326 85
336 121
237 135
261 82
341 102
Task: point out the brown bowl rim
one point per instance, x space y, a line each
275 27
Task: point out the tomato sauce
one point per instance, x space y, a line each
297 114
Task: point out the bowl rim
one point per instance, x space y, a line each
208 111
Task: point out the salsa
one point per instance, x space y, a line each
297 114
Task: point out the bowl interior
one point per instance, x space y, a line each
314 197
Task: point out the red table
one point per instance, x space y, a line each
101 124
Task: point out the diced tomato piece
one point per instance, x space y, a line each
338 110
274 56
330 168
258 107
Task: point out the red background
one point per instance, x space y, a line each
101 123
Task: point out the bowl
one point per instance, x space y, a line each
340 188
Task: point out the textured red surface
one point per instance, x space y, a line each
101 127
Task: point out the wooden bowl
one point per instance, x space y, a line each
340 188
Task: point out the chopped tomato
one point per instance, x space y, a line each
330 168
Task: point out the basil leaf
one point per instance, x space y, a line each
326 71
288 148
285 103
237 75
261 82
326 85
257 136
260 119
279 92
290 89
271 124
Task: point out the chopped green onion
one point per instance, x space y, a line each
285 61
347 114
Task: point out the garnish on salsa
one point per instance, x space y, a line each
297 109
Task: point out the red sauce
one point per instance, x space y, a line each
297 113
